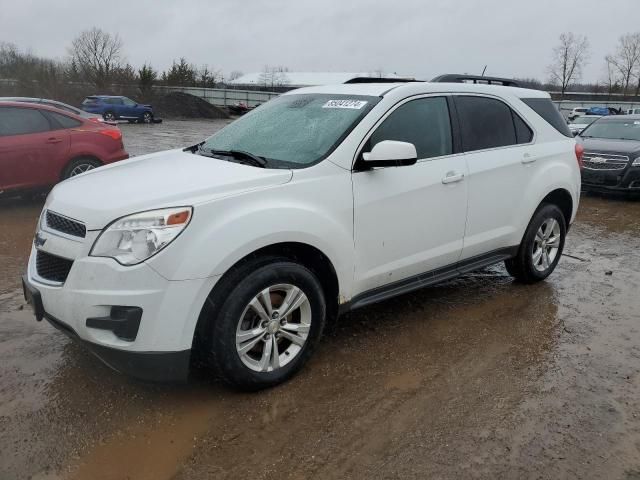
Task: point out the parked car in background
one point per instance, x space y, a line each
612 154
118 108
322 200
581 122
577 112
633 111
42 145
54 103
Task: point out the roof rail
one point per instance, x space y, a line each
380 80
457 78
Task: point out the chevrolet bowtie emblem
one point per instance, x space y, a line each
39 241
598 160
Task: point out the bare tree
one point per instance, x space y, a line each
626 60
273 76
97 55
569 58
234 75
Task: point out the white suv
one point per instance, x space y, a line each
322 200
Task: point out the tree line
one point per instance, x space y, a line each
97 57
621 72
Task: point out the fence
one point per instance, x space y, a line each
222 97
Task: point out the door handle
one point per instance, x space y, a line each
53 140
452 177
526 158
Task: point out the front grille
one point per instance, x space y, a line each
63 224
51 267
604 161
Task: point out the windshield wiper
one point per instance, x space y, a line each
246 157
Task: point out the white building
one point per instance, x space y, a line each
300 79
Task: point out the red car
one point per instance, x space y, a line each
41 145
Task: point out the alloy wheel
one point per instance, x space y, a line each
273 328
81 168
546 244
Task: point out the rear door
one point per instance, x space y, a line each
500 158
29 148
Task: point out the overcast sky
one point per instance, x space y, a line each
422 38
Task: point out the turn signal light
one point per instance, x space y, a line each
178 218
579 153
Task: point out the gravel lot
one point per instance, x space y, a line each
476 378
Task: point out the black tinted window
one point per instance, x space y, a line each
20 121
423 122
114 101
548 111
485 123
64 121
523 132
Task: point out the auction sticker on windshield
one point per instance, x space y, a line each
354 104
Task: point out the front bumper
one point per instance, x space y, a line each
148 366
627 180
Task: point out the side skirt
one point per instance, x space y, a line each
426 279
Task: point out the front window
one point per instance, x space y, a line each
618 129
128 102
293 130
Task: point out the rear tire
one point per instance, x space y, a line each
109 116
541 246
241 339
80 165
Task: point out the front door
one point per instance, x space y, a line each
410 220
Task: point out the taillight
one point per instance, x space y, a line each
112 132
579 153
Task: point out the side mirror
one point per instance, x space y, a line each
391 153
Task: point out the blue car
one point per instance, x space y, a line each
116 107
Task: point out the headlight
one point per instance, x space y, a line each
636 162
135 238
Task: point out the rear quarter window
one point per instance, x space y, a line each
547 110
63 121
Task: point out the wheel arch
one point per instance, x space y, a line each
563 200
305 254
80 156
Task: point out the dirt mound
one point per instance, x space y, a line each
183 105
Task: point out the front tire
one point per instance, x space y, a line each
268 317
541 246
147 117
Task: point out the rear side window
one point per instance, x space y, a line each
113 101
485 123
21 121
90 101
64 121
548 111
424 122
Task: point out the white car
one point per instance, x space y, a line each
323 200
577 112
580 123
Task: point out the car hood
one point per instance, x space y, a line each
164 179
624 147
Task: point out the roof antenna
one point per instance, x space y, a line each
484 70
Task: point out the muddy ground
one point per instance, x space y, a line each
477 378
